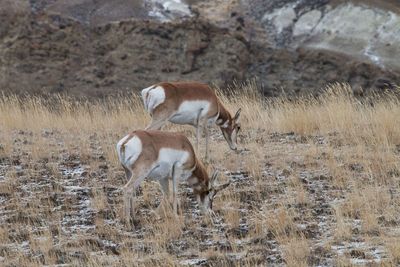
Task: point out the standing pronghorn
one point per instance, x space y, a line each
190 103
159 156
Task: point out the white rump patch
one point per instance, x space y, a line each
133 149
119 144
188 112
145 95
152 97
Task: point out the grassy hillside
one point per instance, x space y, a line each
317 183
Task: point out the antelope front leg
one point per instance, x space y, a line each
159 119
207 136
174 204
198 130
129 197
165 203
175 181
128 204
197 138
156 125
132 204
165 188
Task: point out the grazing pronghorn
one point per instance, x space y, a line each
190 103
159 156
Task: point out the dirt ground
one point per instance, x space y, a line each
62 206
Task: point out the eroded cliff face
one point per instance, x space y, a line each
97 48
52 52
321 41
370 34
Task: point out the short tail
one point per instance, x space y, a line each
121 146
122 151
146 101
146 97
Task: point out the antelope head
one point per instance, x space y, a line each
230 130
213 189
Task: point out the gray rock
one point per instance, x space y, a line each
376 39
177 6
307 23
281 18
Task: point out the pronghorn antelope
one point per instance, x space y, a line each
190 103
161 156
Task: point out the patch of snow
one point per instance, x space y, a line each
72 171
374 254
75 188
237 256
176 6
192 262
22 247
79 218
168 10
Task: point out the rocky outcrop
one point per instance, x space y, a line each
362 31
99 12
55 54
96 48
316 42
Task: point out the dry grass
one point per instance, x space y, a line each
318 184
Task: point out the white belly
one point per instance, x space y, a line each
160 171
167 157
189 111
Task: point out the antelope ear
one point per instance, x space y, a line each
237 115
214 177
221 186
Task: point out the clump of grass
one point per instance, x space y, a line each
68 114
296 251
343 229
373 120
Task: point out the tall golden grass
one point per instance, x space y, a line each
373 121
